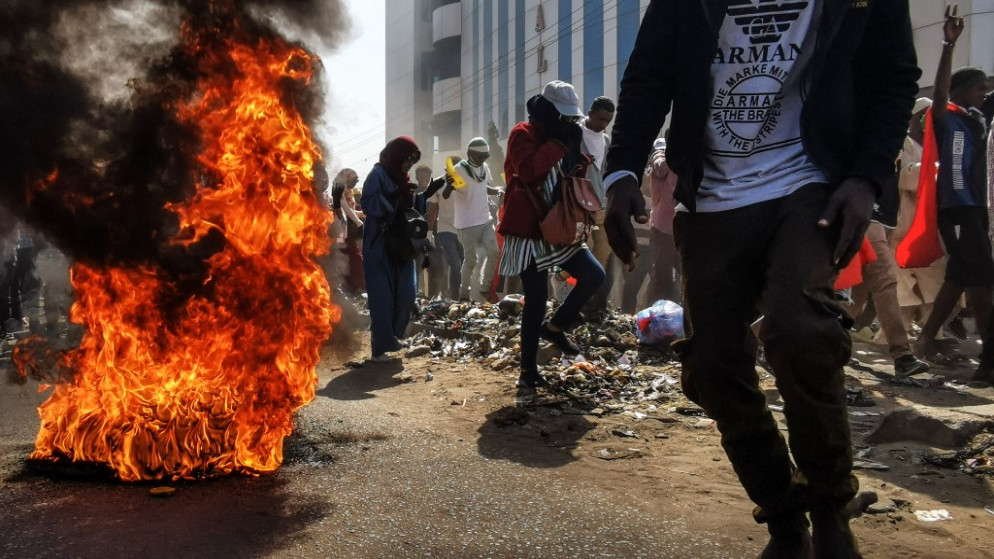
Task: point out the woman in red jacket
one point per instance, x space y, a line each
537 152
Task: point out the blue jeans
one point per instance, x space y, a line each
452 248
589 276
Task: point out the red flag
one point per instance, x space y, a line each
853 273
921 246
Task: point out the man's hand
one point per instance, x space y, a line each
624 201
953 26
852 205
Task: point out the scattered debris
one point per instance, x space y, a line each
881 508
511 305
859 397
619 388
616 376
689 410
621 432
976 458
869 465
476 313
608 453
418 351
936 515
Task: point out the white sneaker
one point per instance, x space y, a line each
381 358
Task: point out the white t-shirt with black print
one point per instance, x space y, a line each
753 144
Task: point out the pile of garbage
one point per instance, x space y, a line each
619 387
616 373
608 336
976 458
469 317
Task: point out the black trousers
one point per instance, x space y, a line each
769 259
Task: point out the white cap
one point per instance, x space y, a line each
921 104
563 96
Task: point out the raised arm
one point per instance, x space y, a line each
951 30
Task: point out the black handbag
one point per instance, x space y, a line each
403 234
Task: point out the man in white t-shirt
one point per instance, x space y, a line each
786 120
474 221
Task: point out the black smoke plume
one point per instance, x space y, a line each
90 150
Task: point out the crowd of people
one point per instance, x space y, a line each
763 207
791 216
468 257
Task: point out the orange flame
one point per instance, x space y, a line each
208 385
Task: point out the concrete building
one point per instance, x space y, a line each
454 66
505 50
409 71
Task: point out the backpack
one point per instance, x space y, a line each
570 218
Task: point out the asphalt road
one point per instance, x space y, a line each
367 474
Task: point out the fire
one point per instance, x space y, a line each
176 385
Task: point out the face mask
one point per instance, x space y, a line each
477 158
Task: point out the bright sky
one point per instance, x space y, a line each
354 121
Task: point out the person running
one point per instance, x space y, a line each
786 121
539 151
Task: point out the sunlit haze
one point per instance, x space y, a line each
355 80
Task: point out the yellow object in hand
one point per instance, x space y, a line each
457 180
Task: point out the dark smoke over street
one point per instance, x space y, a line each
91 151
